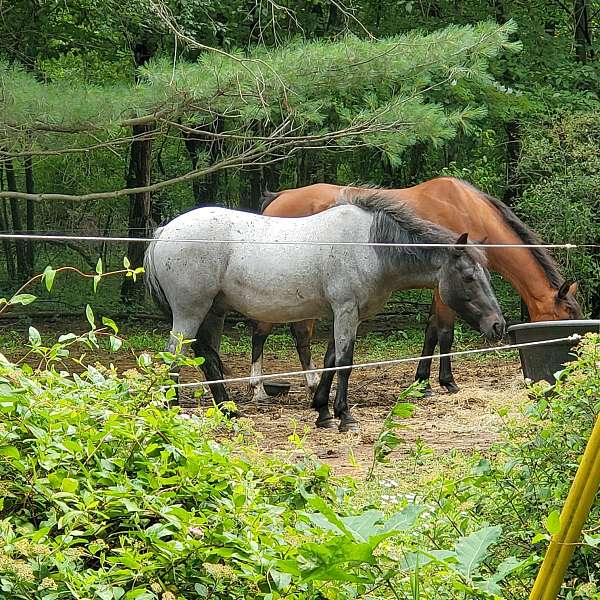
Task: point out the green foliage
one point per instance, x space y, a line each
524 485
561 167
108 492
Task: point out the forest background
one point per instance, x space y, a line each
211 102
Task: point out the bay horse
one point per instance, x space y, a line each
458 206
312 273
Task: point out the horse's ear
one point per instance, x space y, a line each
568 287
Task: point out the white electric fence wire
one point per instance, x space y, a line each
381 363
94 238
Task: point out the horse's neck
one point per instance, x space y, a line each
415 273
521 269
461 209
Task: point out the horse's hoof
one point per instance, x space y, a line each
451 388
327 423
428 391
348 426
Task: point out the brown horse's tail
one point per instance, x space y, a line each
267 198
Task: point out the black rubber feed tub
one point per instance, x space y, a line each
276 387
541 362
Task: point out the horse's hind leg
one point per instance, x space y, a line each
302 332
260 333
321 398
206 344
431 339
184 328
345 326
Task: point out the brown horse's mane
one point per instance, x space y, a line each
541 255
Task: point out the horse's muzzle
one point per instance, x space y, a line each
494 330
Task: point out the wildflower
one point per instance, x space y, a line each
48 583
40 550
131 374
389 483
219 571
169 596
197 532
22 547
155 587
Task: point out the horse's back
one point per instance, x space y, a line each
454 204
224 252
304 201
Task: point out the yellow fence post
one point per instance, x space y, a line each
574 514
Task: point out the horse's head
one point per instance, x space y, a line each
464 285
559 305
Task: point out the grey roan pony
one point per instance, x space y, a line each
278 283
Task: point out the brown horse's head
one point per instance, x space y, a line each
464 285
561 306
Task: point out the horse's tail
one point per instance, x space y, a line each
151 279
267 198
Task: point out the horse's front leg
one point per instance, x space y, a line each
321 398
302 332
260 333
345 326
431 339
446 320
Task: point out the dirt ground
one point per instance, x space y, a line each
443 422
463 421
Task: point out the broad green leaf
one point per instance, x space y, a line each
67 337
552 522
48 277
110 323
404 519
10 452
23 299
403 410
281 580
471 550
35 339
69 485
126 262
506 567
97 279
99 266
89 313
115 343
363 526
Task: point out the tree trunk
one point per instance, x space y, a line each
5 226
30 188
191 145
205 190
252 191
304 166
140 208
582 33
513 152
17 225
138 175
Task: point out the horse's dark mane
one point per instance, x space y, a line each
541 255
394 222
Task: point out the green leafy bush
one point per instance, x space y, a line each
560 167
108 492
524 485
